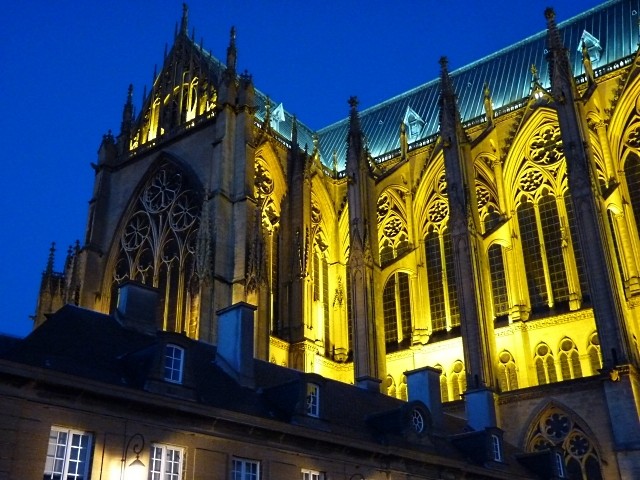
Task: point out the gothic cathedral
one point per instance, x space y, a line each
486 223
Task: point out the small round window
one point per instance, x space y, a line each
417 421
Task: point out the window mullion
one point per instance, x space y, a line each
543 254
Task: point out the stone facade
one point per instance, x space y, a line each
493 234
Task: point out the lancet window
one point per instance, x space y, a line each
157 246
595 355
458 380
396 304
556 428
545 364
507 376
444 386
543 244
443 298
632 176
441 286
569 360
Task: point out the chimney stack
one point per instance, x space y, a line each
138 307
423 384
235 342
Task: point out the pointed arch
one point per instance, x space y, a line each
555 425
155 243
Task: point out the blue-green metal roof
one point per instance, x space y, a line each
508 73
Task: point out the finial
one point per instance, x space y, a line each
444 62
50 260
267 113
534 73
231 51
184 23
488 104
353 102
586 62
549 14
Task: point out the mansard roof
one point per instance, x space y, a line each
95 352
610 32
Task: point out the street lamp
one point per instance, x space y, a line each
136 469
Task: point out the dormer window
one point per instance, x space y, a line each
173 363
414 124
496 448
313 400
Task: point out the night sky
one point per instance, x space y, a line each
66 67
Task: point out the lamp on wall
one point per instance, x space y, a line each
136 470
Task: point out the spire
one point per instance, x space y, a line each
51 259
559 68
488 103
294 132
354 139
184 23
127 113
266 123
448 108
232 53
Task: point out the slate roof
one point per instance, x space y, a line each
91 345
613 26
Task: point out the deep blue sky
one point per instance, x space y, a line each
66 67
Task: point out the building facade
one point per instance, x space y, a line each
485 224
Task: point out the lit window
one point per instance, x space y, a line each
312 475
496 448
313 400
244 469
68 455
165 462
173 361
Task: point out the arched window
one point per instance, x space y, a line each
458 380
577 248
321 294
507 376
545 364
569 360
556 428
595 355
396 303
157 246
543 244
499 290
444 387
443 295
632 176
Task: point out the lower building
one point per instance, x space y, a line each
92 396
